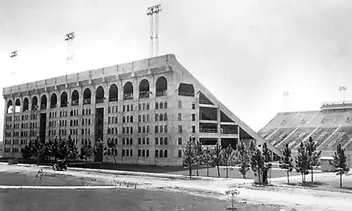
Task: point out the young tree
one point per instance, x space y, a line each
198 152
189 156
287 162
313 155
26 152
206 159
243 159
216 157
72 151
227 155
86 152
257 164
252 148
267 155
112 146
98 148
340 162
302 162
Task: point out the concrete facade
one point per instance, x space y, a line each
150 122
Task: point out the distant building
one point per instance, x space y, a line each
149 108
328 127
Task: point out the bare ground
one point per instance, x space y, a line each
325 196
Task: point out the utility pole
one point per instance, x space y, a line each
342 90
153 12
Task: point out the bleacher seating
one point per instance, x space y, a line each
342 136
298 136
279 135
323 122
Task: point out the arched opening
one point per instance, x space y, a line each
9 107
186 90
144 89
25 104
113 93
86 96
17 105
161 86
75 98
63 100
43 102
53 101
34 103
99 95
128 91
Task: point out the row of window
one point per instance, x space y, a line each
143 129
161 117
63 113
86 121
86 111
52 133
52 114
14 149
161 105
143 106
127 119
112 120
160 128
143 118
16 142
112 130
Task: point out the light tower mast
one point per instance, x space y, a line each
69 40
342 90
13 57
153 12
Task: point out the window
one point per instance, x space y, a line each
179 140
165 140
179 104
123 108
193 106
139 153
193 117
165 128
165 153
165 117
156 117
193 129
179 116
161 140
156 153
161 105
180 128
179 153
156 105
156 129
139 141
156 141
165 104
147 155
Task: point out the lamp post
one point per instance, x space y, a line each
153 12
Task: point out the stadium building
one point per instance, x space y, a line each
328 127
149 108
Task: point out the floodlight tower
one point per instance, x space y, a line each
153 12
13 57
285 96
342 90
69 40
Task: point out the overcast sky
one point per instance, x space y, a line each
246 52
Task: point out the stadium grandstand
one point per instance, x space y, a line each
328 127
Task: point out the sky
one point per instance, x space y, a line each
246 52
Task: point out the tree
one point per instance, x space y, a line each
189 156
286 162
257 164
216 157
86 152
267 155
302 162
252 148
243 159
112 146
227 155
206 159
98 148
198 152
340 162
313 155
26 152
72 151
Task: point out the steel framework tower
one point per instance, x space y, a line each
69 40
153 12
